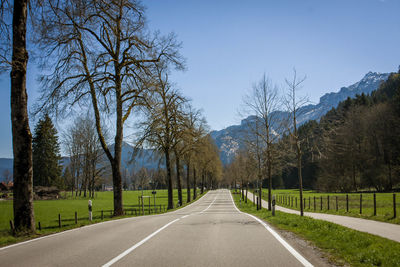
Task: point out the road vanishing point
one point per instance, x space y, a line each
209 232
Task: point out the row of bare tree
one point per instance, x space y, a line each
354 146
261 153
98 54
86 166
178 132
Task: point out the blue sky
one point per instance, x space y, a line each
229 44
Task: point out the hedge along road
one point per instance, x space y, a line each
209 232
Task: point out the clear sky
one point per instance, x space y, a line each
229 44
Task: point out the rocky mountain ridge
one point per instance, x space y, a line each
229 139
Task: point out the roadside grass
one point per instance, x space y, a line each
46 211
343 245
384 203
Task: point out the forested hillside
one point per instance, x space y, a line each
354 147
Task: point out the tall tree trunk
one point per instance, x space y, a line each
300 177
178 178
169 181
390 174
247 190
260 194
117 187
202 183
194 183
354 177
22 138
188 181
269 170
242 190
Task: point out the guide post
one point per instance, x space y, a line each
90 210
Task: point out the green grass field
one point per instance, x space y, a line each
46 211
384 203
344 246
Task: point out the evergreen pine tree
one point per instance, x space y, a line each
46 154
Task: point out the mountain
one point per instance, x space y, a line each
144 158
229 139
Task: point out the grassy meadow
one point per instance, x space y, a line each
384 203
343 246
46 211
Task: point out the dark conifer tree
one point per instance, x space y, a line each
46 154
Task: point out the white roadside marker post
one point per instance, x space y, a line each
90 210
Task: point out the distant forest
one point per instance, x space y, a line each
354 147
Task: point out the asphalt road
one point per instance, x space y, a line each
210 232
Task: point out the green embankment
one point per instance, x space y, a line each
344 245
384 203
46 211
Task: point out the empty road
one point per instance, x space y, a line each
210 232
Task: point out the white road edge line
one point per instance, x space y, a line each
129 250
297 255
96 224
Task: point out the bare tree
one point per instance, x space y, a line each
161 128
103 55
263 102
195 129
293 104
188 132
72 145
143 177
208 163
86 156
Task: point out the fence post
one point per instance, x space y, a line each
360 203
394 205
347 202
315 205
40 227
337 207
374 204
102 215
76 217
309 202
321 203
296 202
328 202
59 220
